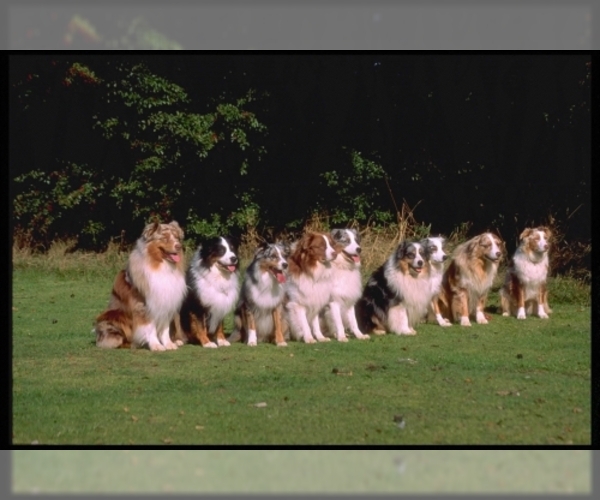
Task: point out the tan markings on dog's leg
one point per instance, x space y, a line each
199 331
460 305
545 298
249 326
221 340
279 340
480 314
541 312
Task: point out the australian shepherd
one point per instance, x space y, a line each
147 294
259 312
524 291
397 295
308 287
434 251
469 277
346 286
213 284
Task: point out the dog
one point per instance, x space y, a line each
398 293
469 277
213 283
147 294
434 251
308 287
259 312
524 289
346 286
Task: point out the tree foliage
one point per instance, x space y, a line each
170 158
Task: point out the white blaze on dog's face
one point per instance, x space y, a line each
435 250
539 241
491 246
414 255
229 258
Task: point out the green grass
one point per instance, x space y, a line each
509 382
302 471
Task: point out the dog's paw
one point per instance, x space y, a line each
156 347
223 343
179 343
210 345
282 344
309 340
505 314
464 321
342 338
362 336
324 339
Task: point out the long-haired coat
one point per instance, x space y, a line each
213 283
259 312
524 291
398 293
346 287
308 287
147 294
469 277
434 250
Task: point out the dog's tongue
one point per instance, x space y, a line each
280 277
175 257
231 268
356 258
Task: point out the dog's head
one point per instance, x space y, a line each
434 249
536 240
347 242
219 251
164 241
487 246
410 256
271 257
312 248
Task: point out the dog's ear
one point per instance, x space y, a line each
150 229
337 233
177 229
285 247
547 231
526 233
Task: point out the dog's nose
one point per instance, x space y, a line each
333 255
498 254
444 257
178 246
358 250
420 263
233 259
284 265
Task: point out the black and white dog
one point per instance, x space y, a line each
397 295
213 289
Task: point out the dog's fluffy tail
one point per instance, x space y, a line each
111 329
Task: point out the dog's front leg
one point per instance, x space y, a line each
199 331
353 324
479 314
335 320
221 340
279 340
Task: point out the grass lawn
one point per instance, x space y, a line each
509 382
301 471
